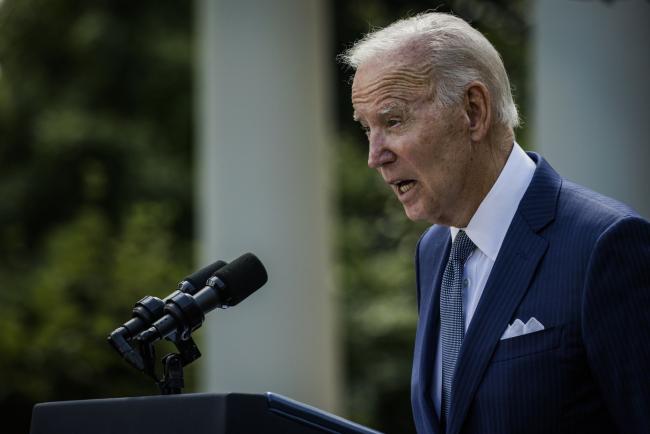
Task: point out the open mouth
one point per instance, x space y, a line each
404 186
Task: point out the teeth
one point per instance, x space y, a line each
406 187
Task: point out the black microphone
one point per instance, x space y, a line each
227 287
149 309
195 281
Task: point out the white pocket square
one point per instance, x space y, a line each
518 328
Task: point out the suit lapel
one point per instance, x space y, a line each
520 253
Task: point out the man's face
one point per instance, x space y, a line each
423 152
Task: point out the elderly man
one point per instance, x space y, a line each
533 292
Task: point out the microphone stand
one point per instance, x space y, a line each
140 352
172 380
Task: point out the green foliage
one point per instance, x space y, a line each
95 181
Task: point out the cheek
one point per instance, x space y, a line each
432 155
438 168
425 147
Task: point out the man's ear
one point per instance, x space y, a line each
478 108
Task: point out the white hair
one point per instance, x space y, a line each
458 54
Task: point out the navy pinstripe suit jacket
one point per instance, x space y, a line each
577 261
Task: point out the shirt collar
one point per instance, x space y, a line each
488 226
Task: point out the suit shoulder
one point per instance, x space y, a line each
585 209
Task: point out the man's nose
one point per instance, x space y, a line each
379 152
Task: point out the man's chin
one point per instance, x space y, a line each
417 214
414 214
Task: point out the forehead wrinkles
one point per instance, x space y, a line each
398 81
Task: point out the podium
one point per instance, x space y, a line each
198 413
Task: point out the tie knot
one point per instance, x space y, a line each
461 248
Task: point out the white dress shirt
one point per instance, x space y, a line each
487 229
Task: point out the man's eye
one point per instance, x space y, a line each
393 122
365 129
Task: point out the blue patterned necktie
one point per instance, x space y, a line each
452 317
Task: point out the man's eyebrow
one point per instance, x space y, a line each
355 116
391 108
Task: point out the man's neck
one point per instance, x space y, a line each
491 157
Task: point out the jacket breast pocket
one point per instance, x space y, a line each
531 343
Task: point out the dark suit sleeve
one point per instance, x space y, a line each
616 321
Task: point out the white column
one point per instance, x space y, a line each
263 186
592 113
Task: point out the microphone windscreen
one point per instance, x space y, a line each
198 278
241 277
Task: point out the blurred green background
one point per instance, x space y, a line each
96 190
